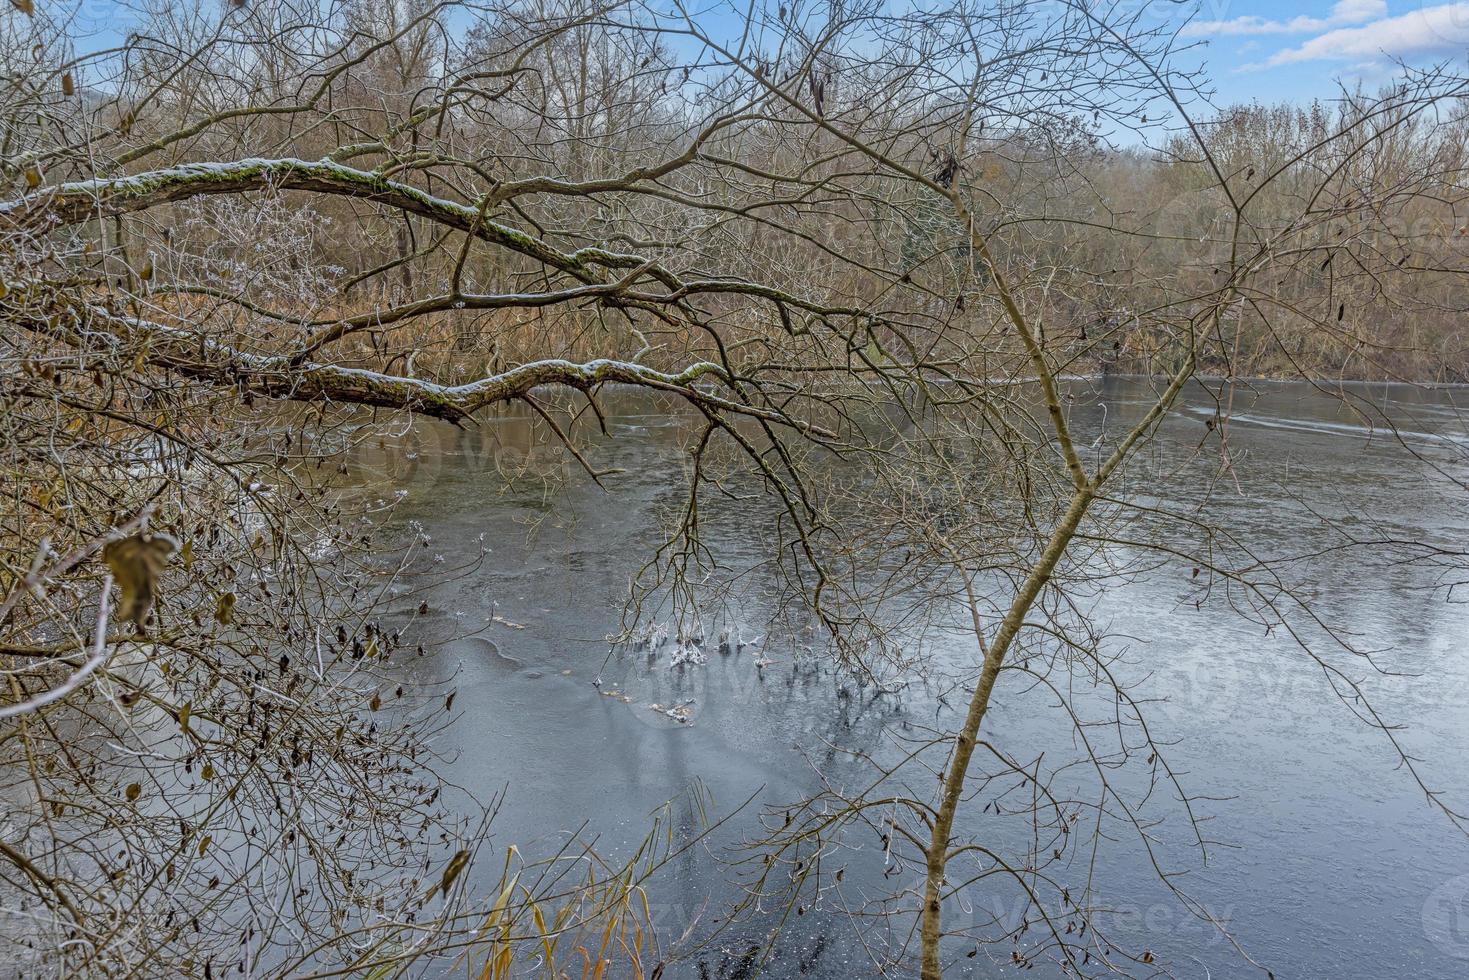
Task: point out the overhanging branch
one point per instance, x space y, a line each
196 356
73 203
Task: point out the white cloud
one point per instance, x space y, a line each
1345 12
1443 29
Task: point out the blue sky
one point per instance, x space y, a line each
1267 50
1259 49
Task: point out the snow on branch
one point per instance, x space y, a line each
197 356
79 201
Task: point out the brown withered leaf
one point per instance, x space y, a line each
136 563
452 870
26 7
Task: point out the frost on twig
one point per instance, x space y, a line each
687 652
98 656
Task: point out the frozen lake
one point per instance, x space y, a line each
1328 863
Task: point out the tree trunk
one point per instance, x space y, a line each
931 929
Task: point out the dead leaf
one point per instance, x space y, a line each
452 870
136 563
